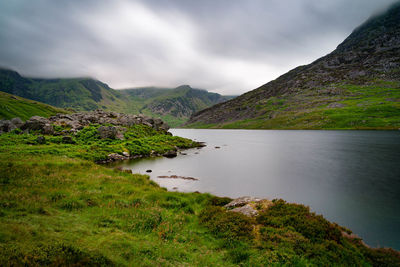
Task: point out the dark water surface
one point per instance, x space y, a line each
351 177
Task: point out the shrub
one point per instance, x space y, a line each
299 217
53 255
219 201
231 226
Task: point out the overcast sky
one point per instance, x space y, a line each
224 46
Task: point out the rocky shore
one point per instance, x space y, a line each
111 125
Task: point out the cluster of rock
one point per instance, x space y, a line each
249 206
77 121
10 125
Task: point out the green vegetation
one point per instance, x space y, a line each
140 140
57 207
174 106
13 106
337 106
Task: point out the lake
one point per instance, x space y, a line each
350 177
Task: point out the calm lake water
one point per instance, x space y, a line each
351 177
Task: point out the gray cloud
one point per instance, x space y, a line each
226 46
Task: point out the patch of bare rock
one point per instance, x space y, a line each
249 206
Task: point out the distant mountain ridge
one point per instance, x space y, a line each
174 105
358 79
179 102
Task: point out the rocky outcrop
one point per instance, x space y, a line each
77 121
81 119
249 206
6 126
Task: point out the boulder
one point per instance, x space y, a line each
120 133
35 123
170 154
107 132
116 157
249 206
48 129
6 126
247 210
241 201
17 122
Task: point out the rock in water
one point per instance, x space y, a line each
170 154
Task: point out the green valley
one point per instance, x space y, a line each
174 105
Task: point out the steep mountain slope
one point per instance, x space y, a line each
12 106
173 105
83 94
76 93
355 86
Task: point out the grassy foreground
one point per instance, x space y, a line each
57 207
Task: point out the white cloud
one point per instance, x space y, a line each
224 46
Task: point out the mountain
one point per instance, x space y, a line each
175 106
355 86
12 106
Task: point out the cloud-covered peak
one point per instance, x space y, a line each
225 46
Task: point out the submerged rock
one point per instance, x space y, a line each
178 177
170 154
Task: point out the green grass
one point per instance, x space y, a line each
140 140
375 106
57 207
13 106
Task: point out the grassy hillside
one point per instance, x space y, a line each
336 106
357 86
13 106
175 106
58 208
